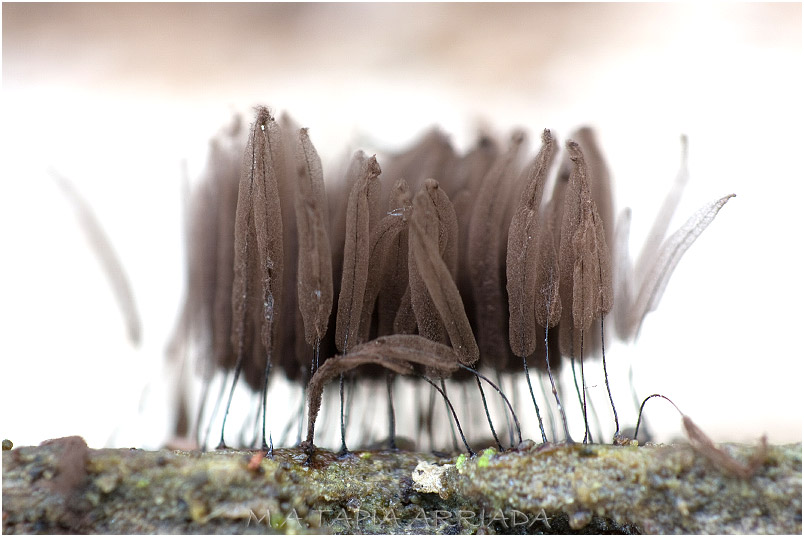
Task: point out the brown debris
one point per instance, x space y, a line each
720 458
71 471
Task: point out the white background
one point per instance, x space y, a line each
120 98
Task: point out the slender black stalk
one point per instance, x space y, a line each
344 449
215 409
266 378
606 375
561 411
642 407
421 423
238 367
533 397
575 378
429 419
550 418
635 398
587 436
488 415
454 415
467 406
240 334
505 411
451 424
389 382
499 391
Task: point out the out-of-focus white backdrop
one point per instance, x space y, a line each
123 99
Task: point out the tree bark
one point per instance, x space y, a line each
63 486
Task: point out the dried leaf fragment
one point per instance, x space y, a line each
704 445
397 353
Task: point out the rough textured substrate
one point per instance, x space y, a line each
62 486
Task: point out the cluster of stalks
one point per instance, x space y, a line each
420 268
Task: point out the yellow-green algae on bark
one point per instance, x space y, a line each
62 486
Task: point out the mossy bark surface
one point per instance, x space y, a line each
62 486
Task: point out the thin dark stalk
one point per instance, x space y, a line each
499 391
429 422
389 382
215 409
533 397
344 449
550 417
265 379
642 407
238 367
606 375
514 402
451 424
467 408
488 415
505 411
454 415
244 249
635 397
587 436
421 424
575 381
561 411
